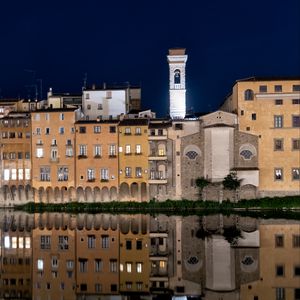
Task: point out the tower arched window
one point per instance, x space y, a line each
248 95
177 78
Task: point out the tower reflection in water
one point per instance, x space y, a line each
102 256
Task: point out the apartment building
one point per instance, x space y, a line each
110 101
53 137
134 254
270 109
15 147
133 159
97 158
53 259
279 263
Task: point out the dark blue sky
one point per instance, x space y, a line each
128 40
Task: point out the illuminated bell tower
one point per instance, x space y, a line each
177 60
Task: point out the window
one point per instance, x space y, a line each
13 174
278 144
20 135
45 173
246 154
37 117
278 88
105 241
62 174
278 174
90 174
127 149
263 89
112 150
54 262
45 242
127 171
63 242
40 264
178 126
82 129
296 101
297 270
279 240
99 106
160 132
54 154
296 173
98 287
138 172
47 131
104 175
278 121
61 130
112 129
97 129
88 106
248 95
138 149
296 241
177 76
139 245
128 285
61 116
191 154
296 144
27 155
128 267
138 131
39 152
280 293
70 264
296 87
27 174
91 241
113 287
139 286
6 174
296 121
87 96
98 265
69 151
279 270
12 155
38 131
127 131
108 94
113 265
297 294
83 264
128 245
139 267
20 174
82 150
253 116
53 142
97 150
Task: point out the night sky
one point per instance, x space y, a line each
127 40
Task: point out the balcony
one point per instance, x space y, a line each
54 160
157 137
157 181
154 156
81 156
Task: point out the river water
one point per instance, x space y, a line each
103 256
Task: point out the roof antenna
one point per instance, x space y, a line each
84 81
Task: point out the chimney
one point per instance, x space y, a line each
93 86
104 85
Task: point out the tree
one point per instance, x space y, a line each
231 182
201 183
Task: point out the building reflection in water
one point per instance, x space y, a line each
102 256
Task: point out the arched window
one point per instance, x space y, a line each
249 95
247 151
177 76
191 154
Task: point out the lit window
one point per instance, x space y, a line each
138 149
21 242
27 242
296 173
39 152
40 264
6 242
13 174
128 267
6 174
139 267
14 241
278 174
27 174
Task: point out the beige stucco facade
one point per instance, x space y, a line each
270 109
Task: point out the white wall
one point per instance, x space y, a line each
113 106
